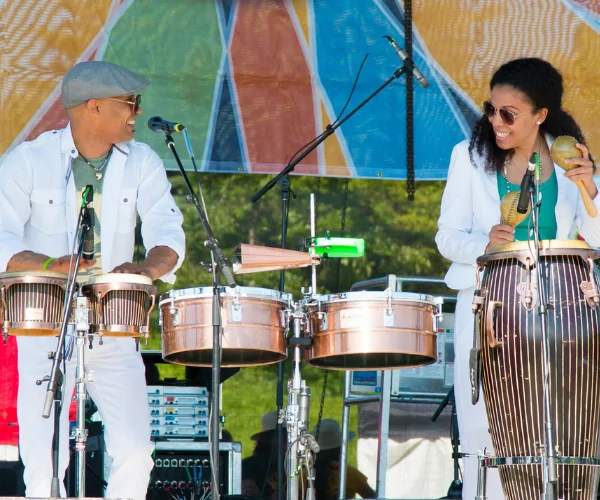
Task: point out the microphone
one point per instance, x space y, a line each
304 405
312 443
523 204
88 242
408 63
157 124
88 219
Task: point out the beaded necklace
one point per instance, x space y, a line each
505 175
99 169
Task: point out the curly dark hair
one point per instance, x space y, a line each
542 85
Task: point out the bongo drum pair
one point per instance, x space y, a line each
32 303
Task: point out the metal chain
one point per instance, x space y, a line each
410 137
318 426
337 285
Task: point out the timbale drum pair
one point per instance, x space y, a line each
349 331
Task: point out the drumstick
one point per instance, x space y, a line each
563 148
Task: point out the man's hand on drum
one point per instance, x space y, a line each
582 169
500 234
63 264
159 261
130 268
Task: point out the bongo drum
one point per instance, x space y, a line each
120 304
31 303
512 370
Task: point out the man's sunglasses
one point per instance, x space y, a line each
508 117
136 103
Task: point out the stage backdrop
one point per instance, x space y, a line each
254 80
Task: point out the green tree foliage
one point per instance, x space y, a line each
399 239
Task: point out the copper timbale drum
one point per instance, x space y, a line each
373 330
512 371
120 304
254 326
31 303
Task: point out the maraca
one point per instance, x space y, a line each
563 148
508 209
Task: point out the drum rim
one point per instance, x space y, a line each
515 246
206 291
119 278
33 274
366 295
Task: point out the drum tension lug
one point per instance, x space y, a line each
589 288
591 294
299 341
478 299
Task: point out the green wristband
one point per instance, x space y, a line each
47 263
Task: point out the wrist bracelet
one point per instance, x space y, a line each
47 263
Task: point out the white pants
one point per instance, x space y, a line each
119 391
473 424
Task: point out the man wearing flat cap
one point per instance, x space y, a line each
41 186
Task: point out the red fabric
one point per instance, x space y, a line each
9 386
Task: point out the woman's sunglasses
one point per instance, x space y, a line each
137 102
508 117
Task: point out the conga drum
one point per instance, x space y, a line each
512 370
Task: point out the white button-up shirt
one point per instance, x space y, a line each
39 209
471 207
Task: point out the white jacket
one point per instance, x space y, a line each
39 209
471 206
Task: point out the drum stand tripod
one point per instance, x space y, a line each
55 379
302 446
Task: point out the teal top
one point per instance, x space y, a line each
547 220
84 174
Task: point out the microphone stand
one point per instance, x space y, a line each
55 379
223 266
283 180
549 453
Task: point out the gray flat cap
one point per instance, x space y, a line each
98 79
